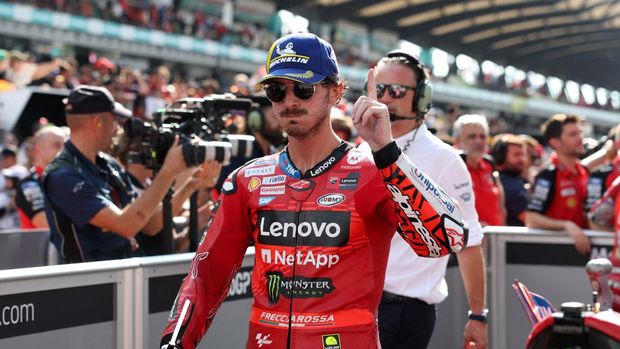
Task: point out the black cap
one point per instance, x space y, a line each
86 99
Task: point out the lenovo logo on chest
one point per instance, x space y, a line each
312 228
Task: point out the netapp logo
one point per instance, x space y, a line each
297 287
316 259
312 228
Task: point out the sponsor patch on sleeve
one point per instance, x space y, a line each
541 189
260 171
539 196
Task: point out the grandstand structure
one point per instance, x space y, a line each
372 28
570 39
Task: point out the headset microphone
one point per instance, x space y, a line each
394 117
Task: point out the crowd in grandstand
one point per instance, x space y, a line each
167 16
181 17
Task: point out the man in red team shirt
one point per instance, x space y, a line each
321 214
558 196
471 135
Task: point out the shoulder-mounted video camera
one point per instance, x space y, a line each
203 126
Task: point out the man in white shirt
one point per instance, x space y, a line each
414 285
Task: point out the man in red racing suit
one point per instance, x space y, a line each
322 233
601 215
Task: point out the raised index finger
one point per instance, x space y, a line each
372 88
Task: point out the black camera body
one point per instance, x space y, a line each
202 128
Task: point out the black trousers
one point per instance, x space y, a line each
405 323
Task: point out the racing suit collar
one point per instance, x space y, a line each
287 165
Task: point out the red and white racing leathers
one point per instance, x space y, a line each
601 214
322 241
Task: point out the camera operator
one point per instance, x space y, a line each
141 178
93 209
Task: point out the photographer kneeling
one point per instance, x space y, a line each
94 211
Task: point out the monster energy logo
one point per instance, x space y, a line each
299 287
273 286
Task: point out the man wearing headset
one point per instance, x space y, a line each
413 285
509 153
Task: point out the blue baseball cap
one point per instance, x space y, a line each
301 57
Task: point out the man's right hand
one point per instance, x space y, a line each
174 161
582 242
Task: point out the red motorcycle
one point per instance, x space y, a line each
575 326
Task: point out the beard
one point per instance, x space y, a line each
296 130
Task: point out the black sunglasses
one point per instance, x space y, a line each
276 91
396 91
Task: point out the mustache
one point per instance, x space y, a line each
293 112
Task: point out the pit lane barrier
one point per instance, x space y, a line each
125 303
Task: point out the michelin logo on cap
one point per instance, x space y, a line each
288 55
